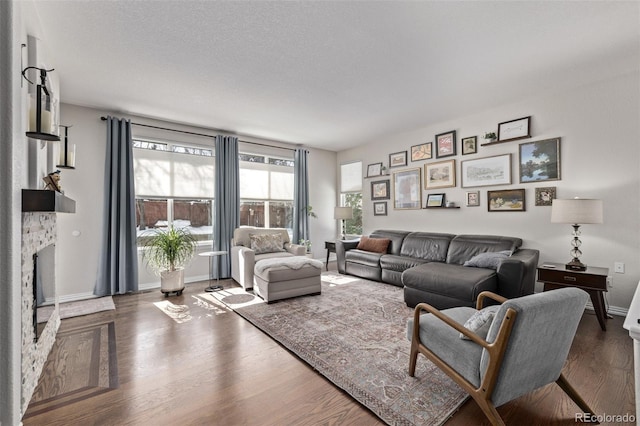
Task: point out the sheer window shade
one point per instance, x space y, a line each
351 177
259 181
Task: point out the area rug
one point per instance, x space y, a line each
78 308
354 334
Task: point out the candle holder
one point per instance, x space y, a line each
67 152
41 113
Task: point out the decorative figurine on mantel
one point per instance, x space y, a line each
53 181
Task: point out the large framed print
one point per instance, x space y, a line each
514 129
380 190
540 161
407 189
421 152
446 144
508 200
440 175
486 171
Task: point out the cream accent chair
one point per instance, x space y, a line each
243 259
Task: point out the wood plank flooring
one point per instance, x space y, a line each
218 369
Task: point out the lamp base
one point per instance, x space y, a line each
576 265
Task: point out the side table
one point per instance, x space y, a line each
211 255
593 281
331 248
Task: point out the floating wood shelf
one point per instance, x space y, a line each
42 200
441 207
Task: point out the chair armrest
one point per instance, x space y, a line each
243 260
295 249
447 320
488 295
342 247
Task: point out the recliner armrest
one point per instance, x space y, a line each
342 247
517 274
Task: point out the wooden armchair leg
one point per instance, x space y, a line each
573 394
489 410
413 357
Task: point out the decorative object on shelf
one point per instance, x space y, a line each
398 159
380 208
576 211
435 200
422 152
486 171
540 160
67 153
380 190
374 169
342 214
472 198
407 192
446 144
469 145
545 195
450 205
489 137
440 175
41 109
52 181
506 200
514 129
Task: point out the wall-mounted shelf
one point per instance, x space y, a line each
43 200
442 207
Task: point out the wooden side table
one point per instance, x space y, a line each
331 247
593 281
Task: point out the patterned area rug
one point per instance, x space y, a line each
354 334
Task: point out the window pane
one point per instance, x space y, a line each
150 214
281 214
354 200
195 215
254 184
251 158
252 213
351 177
281 186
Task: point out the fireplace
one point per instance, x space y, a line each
44 287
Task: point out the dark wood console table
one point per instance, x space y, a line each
331 247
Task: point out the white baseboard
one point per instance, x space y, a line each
76 296
613 310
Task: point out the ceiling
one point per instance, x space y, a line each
330 75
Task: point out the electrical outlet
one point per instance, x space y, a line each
618 267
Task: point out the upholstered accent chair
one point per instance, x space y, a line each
526 345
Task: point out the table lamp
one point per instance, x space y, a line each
342 214
576 212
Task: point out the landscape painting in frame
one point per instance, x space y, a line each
407 189
507 200
540 161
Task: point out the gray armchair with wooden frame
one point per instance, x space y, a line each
526 346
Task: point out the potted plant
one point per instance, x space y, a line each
490 137
166 252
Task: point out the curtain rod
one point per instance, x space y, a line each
201 134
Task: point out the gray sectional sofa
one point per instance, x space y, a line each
430 266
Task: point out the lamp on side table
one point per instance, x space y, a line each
342 214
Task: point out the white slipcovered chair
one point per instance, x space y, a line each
244 258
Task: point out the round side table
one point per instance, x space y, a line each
211 255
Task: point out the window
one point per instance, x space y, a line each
351 195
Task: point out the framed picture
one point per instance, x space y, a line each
540 161
472 198
507 200
421 152
407 189
374 169
469 145
380 190
446 144
440 175
545 196
486 171
380 209
514 129
398 159
435 200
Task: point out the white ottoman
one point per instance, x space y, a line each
284 277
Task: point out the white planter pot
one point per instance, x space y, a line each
172 281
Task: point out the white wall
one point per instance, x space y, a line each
78 255
600 154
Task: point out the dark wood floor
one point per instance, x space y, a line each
219 369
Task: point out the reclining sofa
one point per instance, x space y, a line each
430 266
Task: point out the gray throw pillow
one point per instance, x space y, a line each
266 243
489 260
480 321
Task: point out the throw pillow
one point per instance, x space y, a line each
480 321
375 245
489 260
266 243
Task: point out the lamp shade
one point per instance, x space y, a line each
343 213
576 211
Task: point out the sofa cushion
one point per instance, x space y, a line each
489 259
392 262
464 247
366 258
266 243
426 245
375 245
396 237
454 281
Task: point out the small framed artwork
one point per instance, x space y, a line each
446 144
380 190
421 152
374 169
380 209
514 129
440 175
435 200
469 145
407 189
540 161
398 159
545 196
507 200
472 198
486 171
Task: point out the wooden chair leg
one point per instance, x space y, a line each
489 410
413 357
573 394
